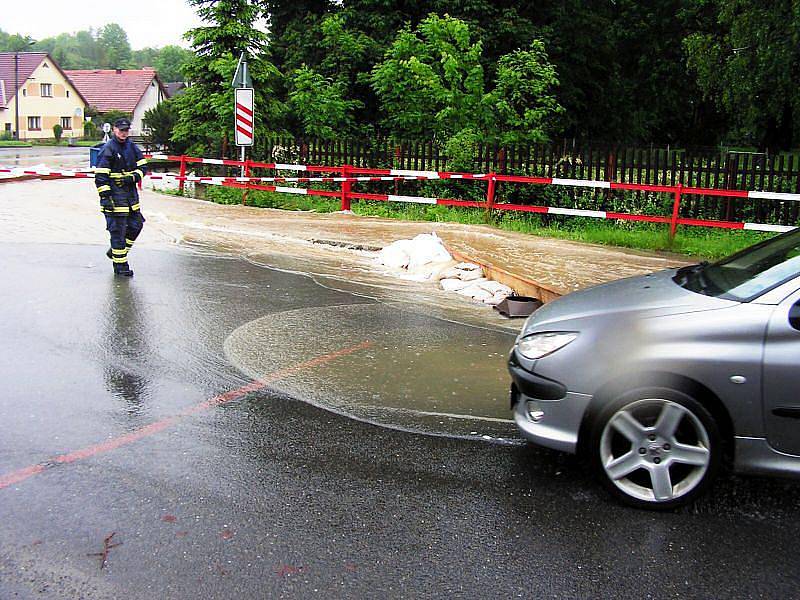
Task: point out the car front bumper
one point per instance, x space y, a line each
545 412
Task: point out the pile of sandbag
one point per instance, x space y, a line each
467 279
425 258
421 259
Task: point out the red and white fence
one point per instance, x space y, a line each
348 175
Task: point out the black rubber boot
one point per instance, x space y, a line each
109 254
122 270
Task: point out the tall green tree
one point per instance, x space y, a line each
320 105
431 81
524 99
295 30
170 62
115 46
748 63
159 123
205 109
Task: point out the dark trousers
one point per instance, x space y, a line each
123 230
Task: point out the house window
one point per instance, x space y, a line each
46 89
66 122
67 93
24 92
8 126
34 123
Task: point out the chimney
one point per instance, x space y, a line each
119 71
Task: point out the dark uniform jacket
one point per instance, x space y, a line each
119 168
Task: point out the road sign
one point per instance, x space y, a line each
241 78
244 117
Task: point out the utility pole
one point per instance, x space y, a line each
16 95
16 89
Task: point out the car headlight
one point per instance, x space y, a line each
542 344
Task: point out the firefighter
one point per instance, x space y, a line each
120 168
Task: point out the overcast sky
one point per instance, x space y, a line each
147 22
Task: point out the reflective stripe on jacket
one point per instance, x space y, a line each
119 168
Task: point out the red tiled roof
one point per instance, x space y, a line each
28 61
109 89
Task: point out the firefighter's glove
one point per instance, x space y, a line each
106 202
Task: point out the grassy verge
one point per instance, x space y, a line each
14 144
701 243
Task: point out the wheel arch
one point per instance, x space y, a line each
653 379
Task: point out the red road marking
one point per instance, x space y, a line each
148 430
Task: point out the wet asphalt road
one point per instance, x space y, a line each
130 408
53 156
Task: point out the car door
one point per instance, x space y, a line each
782 376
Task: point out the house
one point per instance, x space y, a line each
44 94
175 88
130 91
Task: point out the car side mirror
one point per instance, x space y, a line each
794 316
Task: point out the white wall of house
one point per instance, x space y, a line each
63 105
151 98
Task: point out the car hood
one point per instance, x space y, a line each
650 295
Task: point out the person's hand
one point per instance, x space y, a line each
107 202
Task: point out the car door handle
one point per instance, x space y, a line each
792 412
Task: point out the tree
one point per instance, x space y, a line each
431 80
159 123
146 57
170 61
748 63
115 46
524 98
205 109
320 106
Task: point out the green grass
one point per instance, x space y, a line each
701 243
14 144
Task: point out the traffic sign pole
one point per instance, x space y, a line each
244 125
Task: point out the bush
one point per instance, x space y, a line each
57 132
89 129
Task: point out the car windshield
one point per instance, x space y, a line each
747 274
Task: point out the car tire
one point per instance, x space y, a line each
655 448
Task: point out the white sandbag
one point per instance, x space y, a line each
450 273
495 287
496 299
471 275
467 266
475 292
453 284
394 256
426 248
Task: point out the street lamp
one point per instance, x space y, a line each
16 89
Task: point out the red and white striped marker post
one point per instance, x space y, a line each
244 117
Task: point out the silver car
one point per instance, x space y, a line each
662 379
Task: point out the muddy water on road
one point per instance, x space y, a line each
416 372
435 361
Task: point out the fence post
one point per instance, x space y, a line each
182 174
246 174
490 192
346 187
676 206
